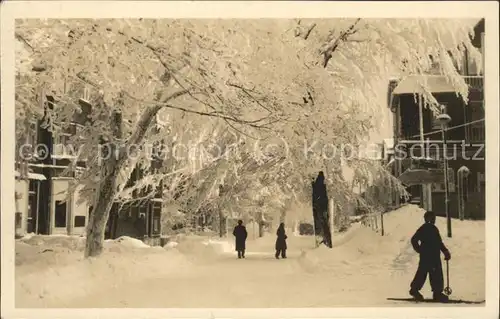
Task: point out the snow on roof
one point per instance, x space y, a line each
388 143
411 84
54 166
34 176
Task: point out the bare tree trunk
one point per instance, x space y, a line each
99 216
261 224
108 189
283 216
382 231
332 218
113 165
221 224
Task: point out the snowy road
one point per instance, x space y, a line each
257 281
363 269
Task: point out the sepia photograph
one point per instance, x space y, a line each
299 161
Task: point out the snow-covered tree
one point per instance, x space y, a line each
291 83
136 68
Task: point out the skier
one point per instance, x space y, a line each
240 233
281 242
428 243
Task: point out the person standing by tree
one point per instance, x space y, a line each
240 233
428 243
320 210
281 242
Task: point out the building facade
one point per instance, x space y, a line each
47 196
418 135
47 193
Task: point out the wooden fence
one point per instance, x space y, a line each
375 221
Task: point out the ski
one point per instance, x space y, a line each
451 301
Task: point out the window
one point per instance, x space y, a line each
476 110
79 129
86 94
155 219
32 132
475 130
482 51
156 226
33 186
60 213
80 221
439 187
480 186
62 138
143 214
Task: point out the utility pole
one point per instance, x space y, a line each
444 119
423 188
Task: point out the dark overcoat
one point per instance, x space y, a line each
240 233
281 239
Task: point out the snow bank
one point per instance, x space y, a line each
362 245
171 244
54 275
202 250
125 241
51 269
52 241
220 246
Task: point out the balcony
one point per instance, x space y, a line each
475 133
475 82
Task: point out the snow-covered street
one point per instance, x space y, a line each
363 269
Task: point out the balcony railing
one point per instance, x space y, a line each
476 132
474 81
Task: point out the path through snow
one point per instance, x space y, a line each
363 269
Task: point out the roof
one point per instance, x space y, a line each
422 176
413 84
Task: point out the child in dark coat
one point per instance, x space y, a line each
428 243
281 242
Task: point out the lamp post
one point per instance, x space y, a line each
443 119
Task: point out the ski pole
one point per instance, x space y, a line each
447 290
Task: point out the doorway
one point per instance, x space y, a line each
33 204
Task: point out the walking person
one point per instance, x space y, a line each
281 242
240 233
428 244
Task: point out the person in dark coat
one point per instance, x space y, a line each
428 244
240 233
281 242
320 210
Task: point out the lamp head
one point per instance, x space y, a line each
443 119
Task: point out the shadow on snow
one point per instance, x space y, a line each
452 301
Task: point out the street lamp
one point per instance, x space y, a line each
443 119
